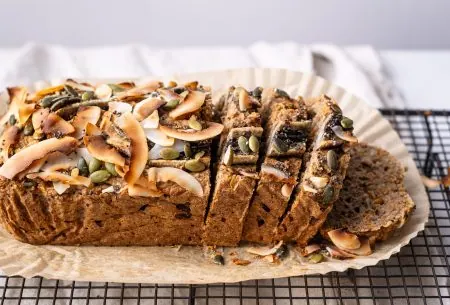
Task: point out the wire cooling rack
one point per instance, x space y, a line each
419 274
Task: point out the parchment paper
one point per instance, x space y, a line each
188 264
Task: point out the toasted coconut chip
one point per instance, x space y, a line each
319 182
154 153
270 170
119 107
338 253
191 85
140 191
25 111
430 183
89 114
21 160
168 95
244 99
146 107
103 92
99 149
39 117
80 86
56 161
140 90
364 250
158 137
55 125
35 166
152 121
60 177
109 189
306 187
49 90
310 249
344 240
264 251
9 137
211 131
117 138
17 105
193 102
340 133
92 130
122 170
139 149
180 177
84 153
60 187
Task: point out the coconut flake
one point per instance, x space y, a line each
109 189
21 160
264 251
340 133
344 240
180 177
119 107
39 117
212 130
8 138
319 182
60 177
192 103
146 107
306 187
154 153
310 249
364 250
60 187
158 137
80 86
270 170
84 153
89 114
103 92
56 161
152 121
55 125
99 149
286 190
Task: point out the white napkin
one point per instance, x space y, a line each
358 69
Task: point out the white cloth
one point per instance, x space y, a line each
358 69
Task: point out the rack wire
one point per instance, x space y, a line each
419 274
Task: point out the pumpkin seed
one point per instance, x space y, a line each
257 92
282 251
87 95
194 124
315 258
28 130
100 176
171 104
253 143
243 144
64 102
199 155
111 168
346 122
70 90
48 101
12 120
187 150
279 145
335 107
194 165
228 156
169 153
332 160
94 165
29 183
83 167
218 259
281 93
328 193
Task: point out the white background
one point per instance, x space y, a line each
386 24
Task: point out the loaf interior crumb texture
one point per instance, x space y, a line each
373 201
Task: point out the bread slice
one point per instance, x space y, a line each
373 202
325 168
236 173
286 132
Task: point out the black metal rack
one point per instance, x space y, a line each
419 274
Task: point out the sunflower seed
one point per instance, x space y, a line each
100 176
87 95
94 165
70 90
346 122
169 153
171 104
315 258
243 144
28 130
194 124
111 168
12 120
199 155
253 143
218 259
332 160
194 165
228 156
187 150
328 194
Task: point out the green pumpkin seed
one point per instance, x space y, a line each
48 101
83 167
100 176
243 144
346 122
194 165
194 124
169 153
94 165
328 194
218 259
111 168
87 95
12 120
257 92
282 252
335 107
116 88
171 104
64 101
228 156
253 143
70 90
332 160
281 93
28 130
199 155
315 258
187 150
29 183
